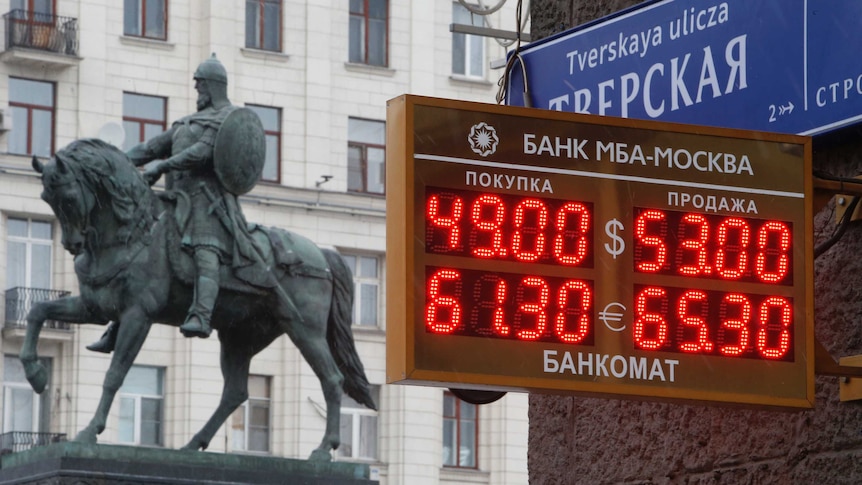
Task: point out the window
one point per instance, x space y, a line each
45 7
468 51
460 431
366 156
141 402
32 24
263 24
368 31
358 428
143 118
23 410
366 277
32 106
271 119
146 18
28 253
250 422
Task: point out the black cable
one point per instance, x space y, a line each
842 228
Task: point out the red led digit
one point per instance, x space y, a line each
487 214
438 304
738 325
582 311
538 308
694 248
448 221
727 229
774 347
648 321
571 253
773 255
651 240
535 231
701 342
700 245
512 306
500 326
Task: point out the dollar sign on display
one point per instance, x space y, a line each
612 227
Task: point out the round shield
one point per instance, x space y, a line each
239 151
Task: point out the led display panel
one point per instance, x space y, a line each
532 250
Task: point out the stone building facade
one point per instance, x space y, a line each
319 73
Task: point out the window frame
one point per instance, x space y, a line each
468 51
142 21
363 147
246 410
261 31
458 420
143 122
276 134
357 411
30 7
30 107
359 280
137 421
365 22
29 241
40 413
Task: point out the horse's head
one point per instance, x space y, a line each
70 201
97 194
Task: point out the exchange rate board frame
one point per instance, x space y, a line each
532 250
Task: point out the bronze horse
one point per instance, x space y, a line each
129 267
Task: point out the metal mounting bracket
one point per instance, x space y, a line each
825 365
850 389
848 368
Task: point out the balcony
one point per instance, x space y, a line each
17 441
39 39
19 300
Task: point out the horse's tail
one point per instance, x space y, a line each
339 335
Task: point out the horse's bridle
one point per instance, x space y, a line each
51 190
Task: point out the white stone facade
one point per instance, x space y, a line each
317 91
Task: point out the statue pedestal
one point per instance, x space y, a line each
77 463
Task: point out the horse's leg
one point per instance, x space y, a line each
134 327
235 362
69 309
311 342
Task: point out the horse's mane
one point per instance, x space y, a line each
101 166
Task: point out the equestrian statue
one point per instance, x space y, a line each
187 257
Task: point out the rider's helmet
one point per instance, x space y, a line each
211 70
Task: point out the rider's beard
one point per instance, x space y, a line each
204 101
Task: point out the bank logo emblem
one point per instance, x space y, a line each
483 139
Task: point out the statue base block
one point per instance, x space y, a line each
78 463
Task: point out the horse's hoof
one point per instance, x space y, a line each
37 376
320 455
196 444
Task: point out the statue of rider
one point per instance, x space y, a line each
214 231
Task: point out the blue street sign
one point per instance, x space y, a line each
788 66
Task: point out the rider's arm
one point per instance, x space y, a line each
197 154
157 147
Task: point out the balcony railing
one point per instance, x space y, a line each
41 31
19 300
17 441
